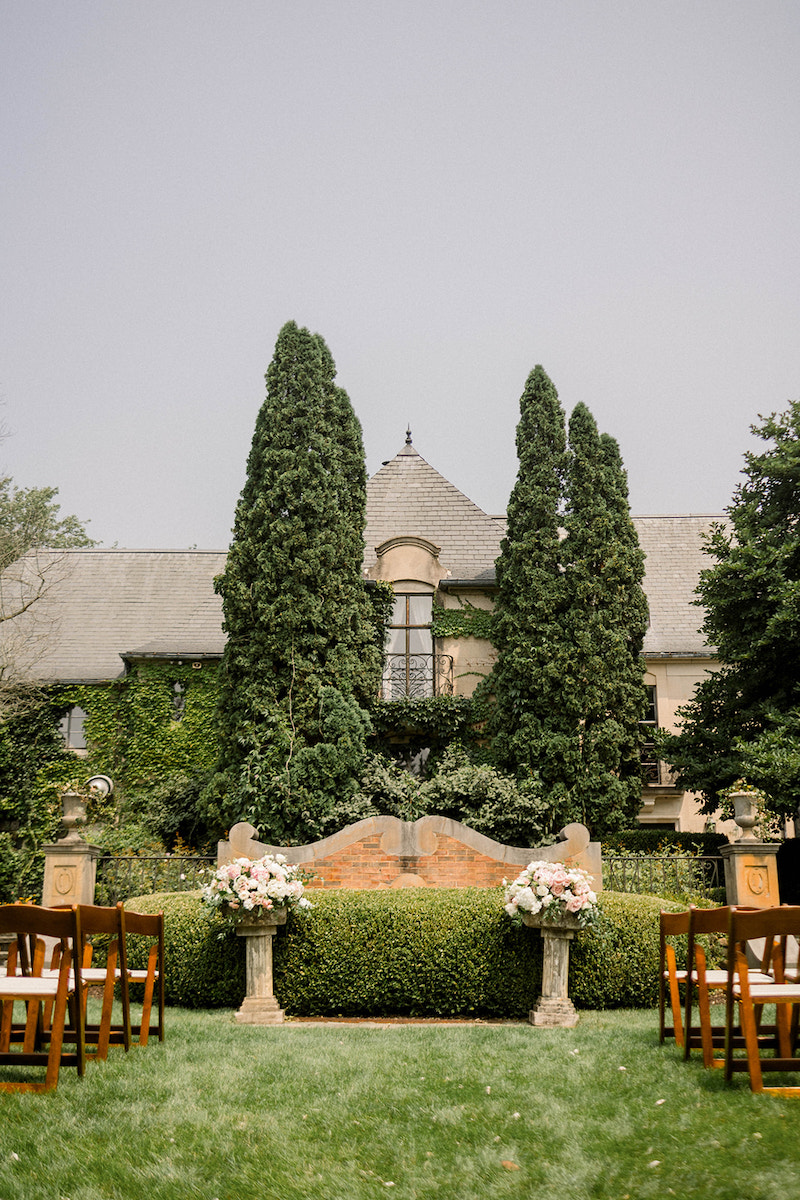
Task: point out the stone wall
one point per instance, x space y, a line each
385 852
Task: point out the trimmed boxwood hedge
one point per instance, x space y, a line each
416 952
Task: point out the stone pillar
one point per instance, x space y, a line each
751 873
260 1007
554 1007
751 867
70 864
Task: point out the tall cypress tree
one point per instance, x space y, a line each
301 662
569 620
602 632
529 736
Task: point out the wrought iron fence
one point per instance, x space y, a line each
676 875
416 676
119 877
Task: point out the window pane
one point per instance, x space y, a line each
419 641
396 641
71 727
419 610
650 715
399 611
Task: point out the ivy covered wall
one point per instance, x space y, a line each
143 727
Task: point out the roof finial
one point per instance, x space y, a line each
408 435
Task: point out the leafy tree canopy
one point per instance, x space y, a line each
744 720
30 519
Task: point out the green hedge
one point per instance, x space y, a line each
416 952
200 970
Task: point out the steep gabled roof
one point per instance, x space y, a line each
407 497
106 605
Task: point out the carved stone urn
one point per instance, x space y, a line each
74 809
745 813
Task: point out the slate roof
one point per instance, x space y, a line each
111 604
407 497
674 559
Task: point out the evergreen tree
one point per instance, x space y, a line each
602 632
569 621
744 720
301 663
530 736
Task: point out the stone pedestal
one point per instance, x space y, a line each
554 1007
751 880
260 1006
70 871
751 873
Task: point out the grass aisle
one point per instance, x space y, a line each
348 1112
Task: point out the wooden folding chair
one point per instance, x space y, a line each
702 981
151 927
774 925
32 924
670 976
97 920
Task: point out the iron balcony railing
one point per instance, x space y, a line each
416 676
655 773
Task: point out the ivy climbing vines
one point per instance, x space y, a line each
154 733
466 621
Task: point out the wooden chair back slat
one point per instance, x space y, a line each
33 989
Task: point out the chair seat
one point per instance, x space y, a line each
30 987
719 979
774 993
136 976
89 975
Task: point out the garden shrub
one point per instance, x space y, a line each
201 970
9 870
415 952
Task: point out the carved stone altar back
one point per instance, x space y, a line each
384 852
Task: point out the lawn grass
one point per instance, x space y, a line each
350 1112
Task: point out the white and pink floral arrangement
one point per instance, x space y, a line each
550 890
255 887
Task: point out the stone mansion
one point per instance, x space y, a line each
103 610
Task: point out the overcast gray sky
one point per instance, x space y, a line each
449 192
